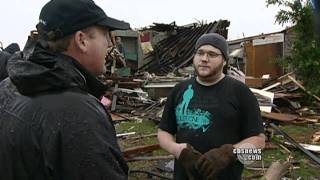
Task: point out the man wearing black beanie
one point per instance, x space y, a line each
207 118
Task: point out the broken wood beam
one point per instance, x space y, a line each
150 158
311 120
143 136
277 170
311 147
287 95
140 149
303 88
125 134
279 116
118 117
114 98
316 137
271 86
150 174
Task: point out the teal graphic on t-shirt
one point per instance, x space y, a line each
191 118
187 96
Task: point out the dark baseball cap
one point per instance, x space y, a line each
59 18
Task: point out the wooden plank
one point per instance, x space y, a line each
316 137
277 170
287 95
271 86
265 99
303 88
307 119
150 158
114 98
284 79
116 117
143 136
125 134
140 149
310 147
279 116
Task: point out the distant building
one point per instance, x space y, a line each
257 55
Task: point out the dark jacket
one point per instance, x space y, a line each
52 125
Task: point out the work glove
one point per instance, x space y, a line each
188 157
212 162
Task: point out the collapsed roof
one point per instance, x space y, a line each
177 50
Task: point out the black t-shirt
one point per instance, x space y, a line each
209 116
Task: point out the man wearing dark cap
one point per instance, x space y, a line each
208 117
52 124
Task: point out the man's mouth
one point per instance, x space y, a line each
203 66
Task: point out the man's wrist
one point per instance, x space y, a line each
178 147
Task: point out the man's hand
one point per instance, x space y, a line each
213 161
188 157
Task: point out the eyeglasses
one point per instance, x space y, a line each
209 54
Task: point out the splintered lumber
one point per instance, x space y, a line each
307 119
125 134
279 116
140 149
277 170
316 137
281 81
118 117
150 158
303 88
271 86
149 173
310 147
114 98
278 95
143 136
265 99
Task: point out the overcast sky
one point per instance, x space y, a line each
247 17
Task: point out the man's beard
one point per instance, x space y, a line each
213 74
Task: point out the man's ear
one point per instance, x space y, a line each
224 62
81 41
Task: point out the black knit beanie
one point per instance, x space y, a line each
215 40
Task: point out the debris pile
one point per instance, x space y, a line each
283 101
177 50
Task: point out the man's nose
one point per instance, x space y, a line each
205 57
109 42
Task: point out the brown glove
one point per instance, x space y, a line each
213 161
188 158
